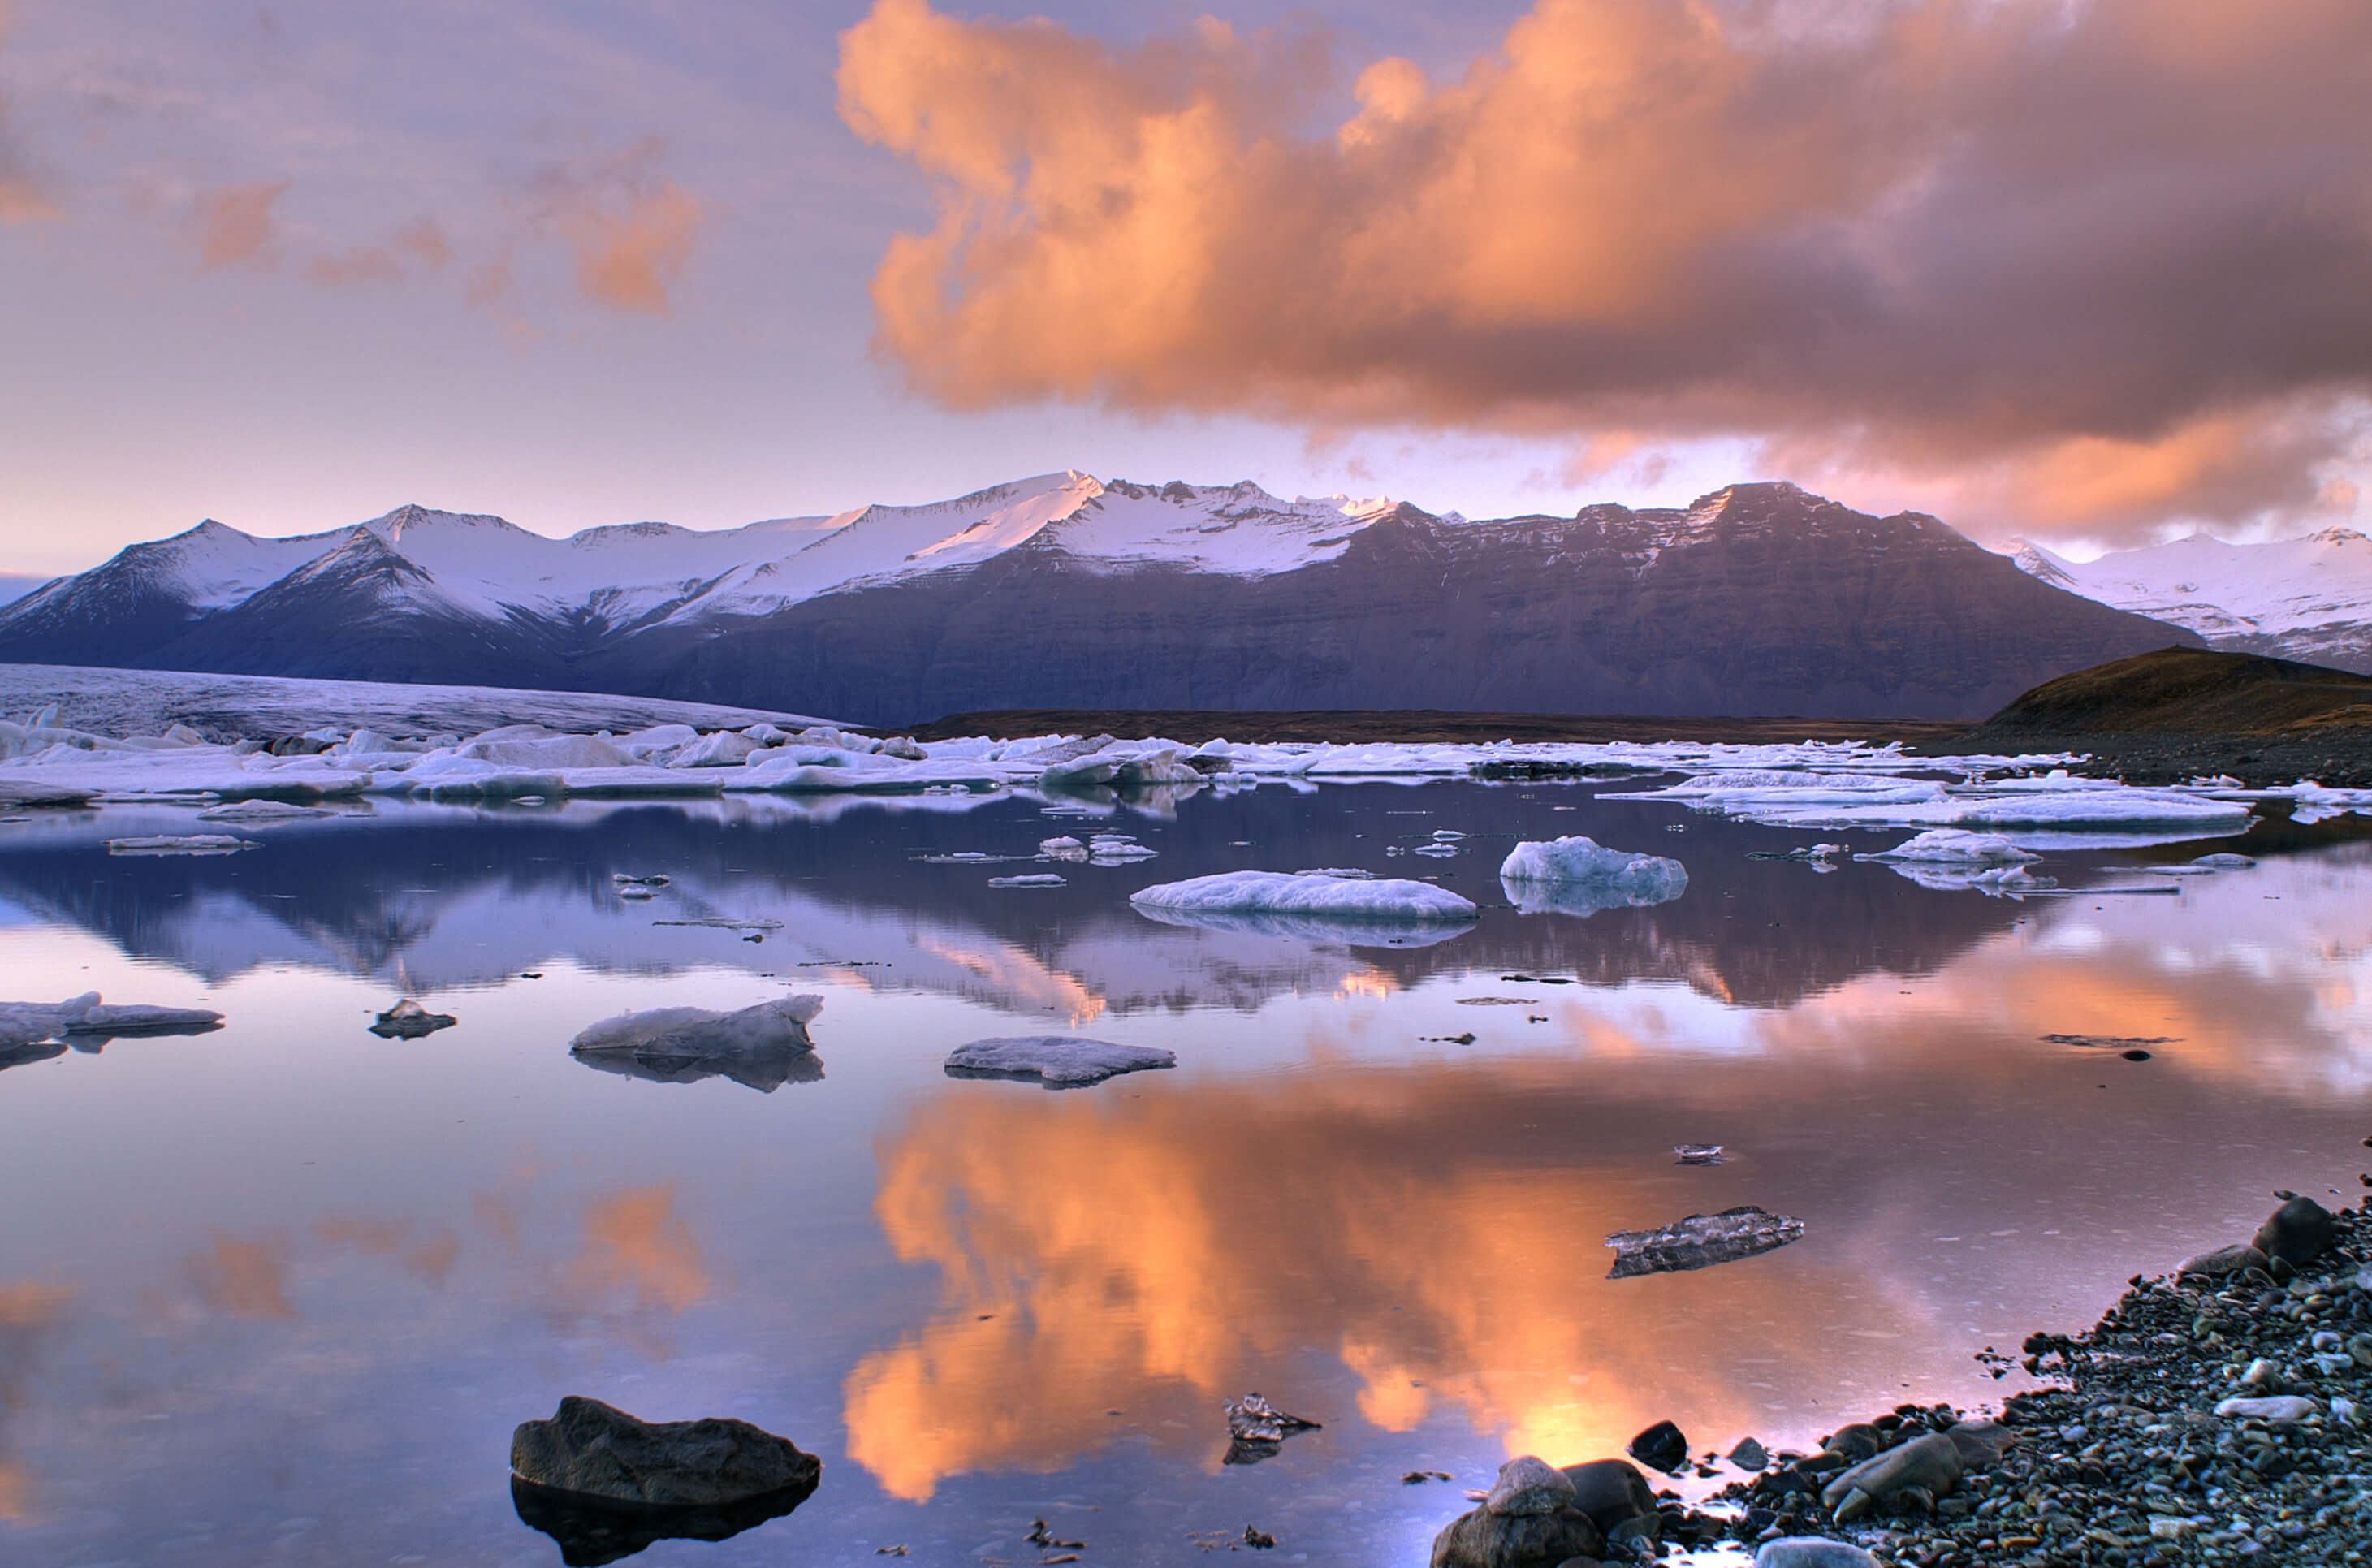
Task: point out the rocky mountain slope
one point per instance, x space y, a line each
1066 592
2309 598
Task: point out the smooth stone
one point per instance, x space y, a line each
1529 1484
1931 1465
1483 1539
2264 1372
2274 1407
1856 1442
1982 1443
597 1450
2297 1233
1611 1491
1750 1455
2226 1261
1812 1552
1663 1447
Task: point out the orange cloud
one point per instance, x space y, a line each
232 225
633 230
1921 239
22 198
421 242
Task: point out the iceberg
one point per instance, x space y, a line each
29 1023
181 843
1058 1061
1579 875
699 1032
1282 892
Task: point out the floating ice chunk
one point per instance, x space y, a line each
1278 892
722 750
23 1023
1121 854
1579 875
545 751
181 843
1059 1061
1348 873
256 813
1040 880
1700 1241
769 1028
1122 765
133 1018
1953 845
2225 861
1064 848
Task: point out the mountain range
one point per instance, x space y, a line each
2308 600
1064 591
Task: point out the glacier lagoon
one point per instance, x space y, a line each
279 1292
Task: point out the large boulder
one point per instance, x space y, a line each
1613 1493
1484 1540
1529 1485
591 1450
2297 1233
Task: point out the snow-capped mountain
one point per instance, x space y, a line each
1067 591
2298 598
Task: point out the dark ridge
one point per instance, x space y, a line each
1345 727
2176 713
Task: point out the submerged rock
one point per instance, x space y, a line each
590 1451
1700 1241
1059 1061
409 1020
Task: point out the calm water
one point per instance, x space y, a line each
278 1293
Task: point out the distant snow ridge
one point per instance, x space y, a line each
2300 598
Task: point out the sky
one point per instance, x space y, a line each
2092 271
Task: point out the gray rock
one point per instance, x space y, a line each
1982 1443
1918 1473
593 1450
1611 1491
2297 1233
1750 1455
2271 1407
1253 1420
1484 1540
1700 1241
1856 1441
2225 1261
1529 1485
409 1020
1059 1061
1812 1552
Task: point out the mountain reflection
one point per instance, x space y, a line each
424 899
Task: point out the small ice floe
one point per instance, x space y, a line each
1036 880
969 857
409 1020
685 1043
181 843
1062 848
1257 1429
1700 1241
1347 873
260 813
1117 849
1696 1153
1579 875
725 923
1439 848
1278 892
30 1023
2225 861
1956 846
1058 1061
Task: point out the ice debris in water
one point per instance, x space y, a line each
259 812
1062 848
1697 1154
777 1025
1580 861
1038 879
409 1020
29 1023
1700 1241
181 843
1280 892
1950 845
1059 1061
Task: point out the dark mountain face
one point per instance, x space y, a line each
1760 599
1782 604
